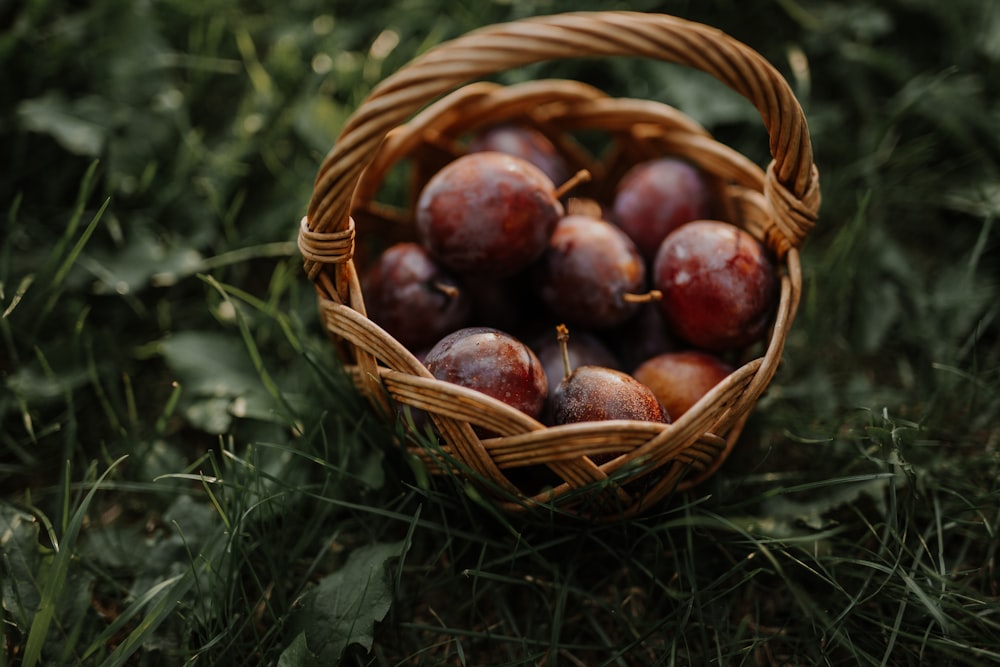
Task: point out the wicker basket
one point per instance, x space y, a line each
418 115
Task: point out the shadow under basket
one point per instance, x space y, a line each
418 119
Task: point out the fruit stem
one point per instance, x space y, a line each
576 179
562 335
449 291
651 295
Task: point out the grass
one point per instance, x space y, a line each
187 476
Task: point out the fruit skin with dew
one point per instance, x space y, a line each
589 272
487 212
412 297
656 197
719 286
493 362
679 379
596 393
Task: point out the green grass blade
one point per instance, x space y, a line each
83 194
55 287
258 362
58 573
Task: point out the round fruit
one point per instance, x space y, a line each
487 212
526 143
494 363
589 273
680 379
658 196
410 296
718 284
595 393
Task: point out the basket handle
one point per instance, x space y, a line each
792 184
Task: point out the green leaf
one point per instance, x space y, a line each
209 364
19 562
144 259
344 606
298 654
73 124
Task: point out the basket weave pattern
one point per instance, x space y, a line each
419 115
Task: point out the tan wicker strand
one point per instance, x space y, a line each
729 443
427 393
572 439
326 247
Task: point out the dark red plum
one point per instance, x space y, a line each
642 337
590 272
494 363
656 197
412 297
718 284
595 393
489 213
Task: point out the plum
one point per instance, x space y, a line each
412 297
655 197
596 393
679 379
591 275
487 212
493 362
719 285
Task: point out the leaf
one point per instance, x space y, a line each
144 259
345 605
19 561
71 123
298 654
209 364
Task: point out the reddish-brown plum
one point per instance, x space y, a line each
487 212
680 379
492 362
412 297
526 143
657 196
588 272
595 393
718 283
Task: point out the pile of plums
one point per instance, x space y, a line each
632 308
